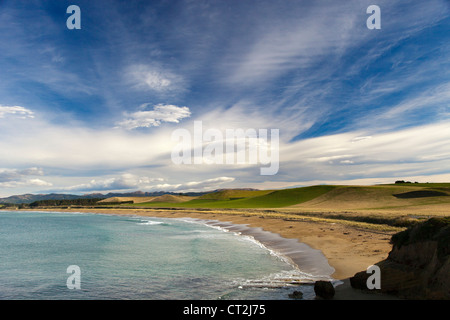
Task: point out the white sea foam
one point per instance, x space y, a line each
249 238
149 222
277 280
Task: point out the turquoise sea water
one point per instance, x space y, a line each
130 257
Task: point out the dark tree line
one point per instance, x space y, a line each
65 202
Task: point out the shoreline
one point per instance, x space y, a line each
309 261
347 249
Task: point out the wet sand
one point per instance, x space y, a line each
307 259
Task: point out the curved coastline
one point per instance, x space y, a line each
347 250
308 260
311 262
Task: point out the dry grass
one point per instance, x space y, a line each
127 199
170 198
376 200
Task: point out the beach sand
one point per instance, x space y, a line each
347 249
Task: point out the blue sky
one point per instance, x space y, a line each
93 110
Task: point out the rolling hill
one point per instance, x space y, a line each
393 197
250 199
324 198
136 195
406 198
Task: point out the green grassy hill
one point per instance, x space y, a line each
323 197
427 198
249 199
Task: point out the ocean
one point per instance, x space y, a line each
89 256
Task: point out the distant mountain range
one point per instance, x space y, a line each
30 198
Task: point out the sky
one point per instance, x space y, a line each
95 109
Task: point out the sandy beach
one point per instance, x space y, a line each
347 249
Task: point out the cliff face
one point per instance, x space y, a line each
418 267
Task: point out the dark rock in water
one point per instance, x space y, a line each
324 289
418 266
296 295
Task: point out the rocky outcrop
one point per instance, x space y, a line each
324 289
418 266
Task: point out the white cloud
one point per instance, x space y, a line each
357 139
46 144
133 182
417 151
124 182
15 111
367 181
38 182
364 154
153 78
296 44
12 178
431 98
13 174
154 118
25 183
208 184
330 159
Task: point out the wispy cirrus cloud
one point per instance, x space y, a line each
350 103
410 152
154 78
435 98
15 111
